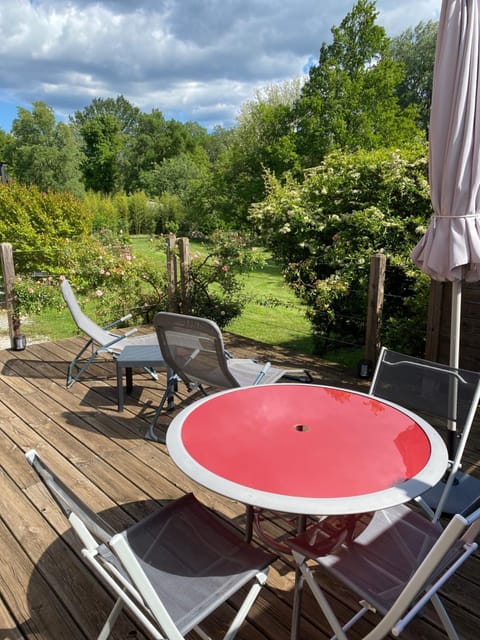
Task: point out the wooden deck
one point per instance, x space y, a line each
45 590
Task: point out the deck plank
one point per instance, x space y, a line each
45 589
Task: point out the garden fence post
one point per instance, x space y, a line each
8 271
184 256
376 290
172 273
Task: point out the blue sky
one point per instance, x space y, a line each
194 60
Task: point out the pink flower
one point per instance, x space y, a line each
225 268
107 273
102 271
216 263
61 278
30 290
99 293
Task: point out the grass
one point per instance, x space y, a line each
273 314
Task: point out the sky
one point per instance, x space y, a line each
197 60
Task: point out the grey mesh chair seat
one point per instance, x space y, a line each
395 566
100 339
446 396
194 350
172 569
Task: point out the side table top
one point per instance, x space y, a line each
141 355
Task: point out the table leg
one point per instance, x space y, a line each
129 377
129 384
248 523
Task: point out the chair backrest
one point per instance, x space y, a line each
193 347
83 322
93 530
426 387
446 394
100 549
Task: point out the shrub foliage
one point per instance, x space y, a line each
325 229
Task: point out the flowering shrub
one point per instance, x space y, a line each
33 295
119 283
41 225
215 291
325 229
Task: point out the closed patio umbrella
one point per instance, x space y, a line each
450 248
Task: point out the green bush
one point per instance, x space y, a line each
104 213
41 226
325 229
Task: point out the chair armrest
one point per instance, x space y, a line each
119 321
116 339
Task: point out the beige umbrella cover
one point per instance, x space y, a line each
450 248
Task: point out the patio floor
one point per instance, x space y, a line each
45 590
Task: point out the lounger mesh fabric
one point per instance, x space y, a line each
100 339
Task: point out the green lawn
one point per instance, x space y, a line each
273 314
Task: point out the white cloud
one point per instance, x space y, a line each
197 58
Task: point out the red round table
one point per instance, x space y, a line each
307 449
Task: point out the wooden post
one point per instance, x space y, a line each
376 287
8 271
435 304
172 273
184 255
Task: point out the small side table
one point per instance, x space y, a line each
136 356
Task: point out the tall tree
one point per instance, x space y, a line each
105 126
349 100
153 141
44 152
262 141
415 48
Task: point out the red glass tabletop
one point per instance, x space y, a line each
301 441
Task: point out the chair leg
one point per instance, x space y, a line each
445 618
108 626
297 605
167 397
238 620
71 378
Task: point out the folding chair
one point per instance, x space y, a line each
395 566
193 348
100 339
170 570
447 397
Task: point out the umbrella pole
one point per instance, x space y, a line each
456 309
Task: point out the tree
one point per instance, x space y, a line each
415 48
44 152
349 100
104 127
153 141
5 138
263 140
